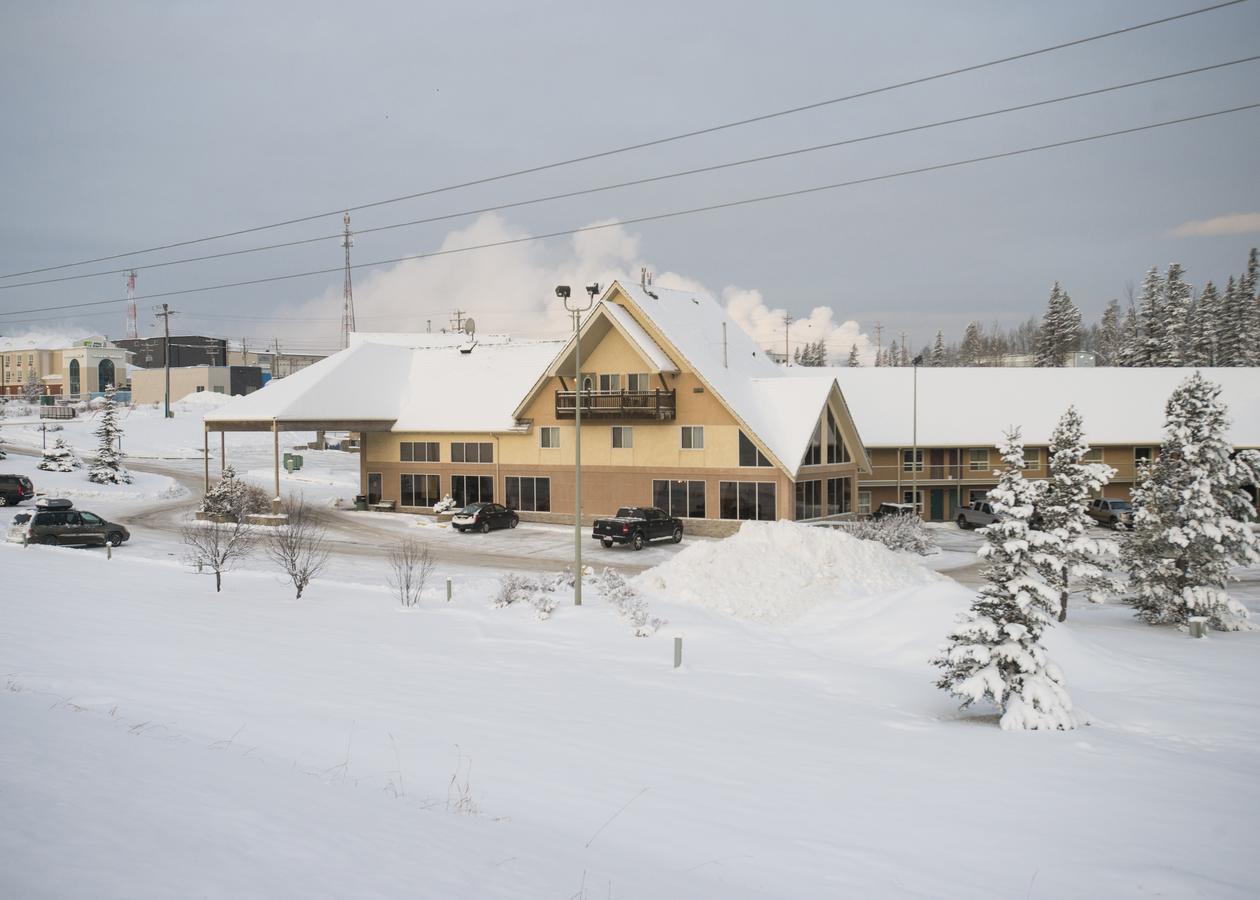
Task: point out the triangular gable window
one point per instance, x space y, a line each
749 455
837 452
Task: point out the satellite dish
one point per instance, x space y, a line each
470 326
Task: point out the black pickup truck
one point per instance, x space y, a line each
636 525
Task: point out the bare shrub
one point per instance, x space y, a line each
219 547
410 565
538 592
299 546
895 532
628 603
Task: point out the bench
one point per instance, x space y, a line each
383 506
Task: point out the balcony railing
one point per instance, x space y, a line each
658 404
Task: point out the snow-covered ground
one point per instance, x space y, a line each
161 740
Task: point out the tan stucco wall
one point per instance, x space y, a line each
149 385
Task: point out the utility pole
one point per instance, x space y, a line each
787 352
575 309
457 320
133 330
347 311
275 358
165 315
879 343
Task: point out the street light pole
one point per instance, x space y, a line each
914 488
563 292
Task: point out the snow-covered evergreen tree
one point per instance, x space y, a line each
1204 318
1131 346
1076 557
227 496
1060 329
938 351
1110 336
59 458
1245 315
972 346
854 359
904 358
108 468
995 650
1150 346
1190 523
1176 307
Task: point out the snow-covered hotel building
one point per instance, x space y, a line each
682 410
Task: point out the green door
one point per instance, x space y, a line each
938 505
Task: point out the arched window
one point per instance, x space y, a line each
74 378
105 374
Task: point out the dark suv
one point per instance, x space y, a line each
14 489
56 524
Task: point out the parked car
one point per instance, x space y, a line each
485 516
14 489
977 514
57 522
884 510
1111 513
636 525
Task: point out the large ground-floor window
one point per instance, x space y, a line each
839 496
808 500
915 497
528 494
467 489
682 499
747 500
420 490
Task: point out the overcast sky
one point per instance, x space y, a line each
131 124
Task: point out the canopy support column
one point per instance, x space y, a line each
275 443
222 451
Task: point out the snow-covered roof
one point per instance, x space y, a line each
973 406
640 338
421 382
780 411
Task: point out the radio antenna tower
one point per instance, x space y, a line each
132 327
347 312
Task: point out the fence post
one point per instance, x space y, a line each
448 590
1198 626
109 550
677 651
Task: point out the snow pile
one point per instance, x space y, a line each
779 571
201 400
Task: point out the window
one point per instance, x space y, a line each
747 500
864 502
467 489
419 490
749 455
90 519
837 452
610 382
528 494
681 499
977 495
549 437
418 451
622 437
915 497
1142 456
588 381
808 500
1093 455
978 459
813 453
912 460
693 437
839 496
200 388
639 381
469 452
1032 457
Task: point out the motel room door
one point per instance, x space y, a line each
374 487
938 505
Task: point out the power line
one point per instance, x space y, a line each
656 142
730 204
664 177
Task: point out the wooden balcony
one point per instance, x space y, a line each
658 405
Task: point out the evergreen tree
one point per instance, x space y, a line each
59 458
1076 556
796 356
1190 523
227 497
904 359
938 351
969 353
1153 332
1230 339
108 468
1131 339
1247 313
854 360
1204 317
1060 329
995 650
820 352
1176 308
1110 336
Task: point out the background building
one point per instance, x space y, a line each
149 385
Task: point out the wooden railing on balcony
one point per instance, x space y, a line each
658 404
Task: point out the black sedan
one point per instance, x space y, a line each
485 516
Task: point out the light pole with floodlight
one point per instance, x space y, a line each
914 487
574 310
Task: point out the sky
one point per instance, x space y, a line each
134 124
